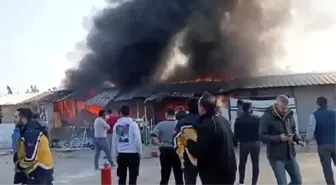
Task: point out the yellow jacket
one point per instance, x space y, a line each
180 143
34 150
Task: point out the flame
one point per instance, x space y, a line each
201 79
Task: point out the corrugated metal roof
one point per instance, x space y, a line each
103 98
15 99
186 88
37 98
161 96
56 96
282 81
140 92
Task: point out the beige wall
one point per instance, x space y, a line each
8 112
306 101
305 98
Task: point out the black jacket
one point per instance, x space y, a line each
246 128
214 150
271 126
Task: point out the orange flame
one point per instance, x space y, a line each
205 79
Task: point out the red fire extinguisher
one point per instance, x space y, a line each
106 175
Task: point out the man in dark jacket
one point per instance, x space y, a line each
180 115
322 126
278 130
190 121
34 154
214 149
246 129
240 110
19 177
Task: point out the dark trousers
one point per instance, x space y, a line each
169 160
190 174
246 149
327 154
19 177
291 166
130 162
216 177
40 176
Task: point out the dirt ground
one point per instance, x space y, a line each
78 169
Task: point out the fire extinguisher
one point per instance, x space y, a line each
106 175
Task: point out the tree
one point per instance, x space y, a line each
32 89
52 89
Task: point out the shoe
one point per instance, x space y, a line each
113 165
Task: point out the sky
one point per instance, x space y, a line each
35 36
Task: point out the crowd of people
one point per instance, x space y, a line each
204 143
199 142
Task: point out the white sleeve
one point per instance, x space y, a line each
311 128
137 137
107 126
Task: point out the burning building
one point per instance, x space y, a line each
150 49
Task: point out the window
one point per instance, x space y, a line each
43 114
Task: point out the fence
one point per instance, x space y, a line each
71 137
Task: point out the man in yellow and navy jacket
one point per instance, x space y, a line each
187 125
34 155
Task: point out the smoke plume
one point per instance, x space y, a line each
132 43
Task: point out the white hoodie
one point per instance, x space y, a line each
126 136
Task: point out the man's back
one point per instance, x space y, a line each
127 138
112 121
247 128
325 126
165 132
218 154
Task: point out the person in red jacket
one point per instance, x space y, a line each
112 120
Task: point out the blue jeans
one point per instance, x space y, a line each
291 166
101 145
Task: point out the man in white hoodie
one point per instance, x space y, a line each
127 146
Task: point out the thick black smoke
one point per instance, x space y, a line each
127 43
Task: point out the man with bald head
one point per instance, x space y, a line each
278 130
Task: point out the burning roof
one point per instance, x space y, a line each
182 89
159 91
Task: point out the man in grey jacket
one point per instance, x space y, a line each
278 130
100 140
